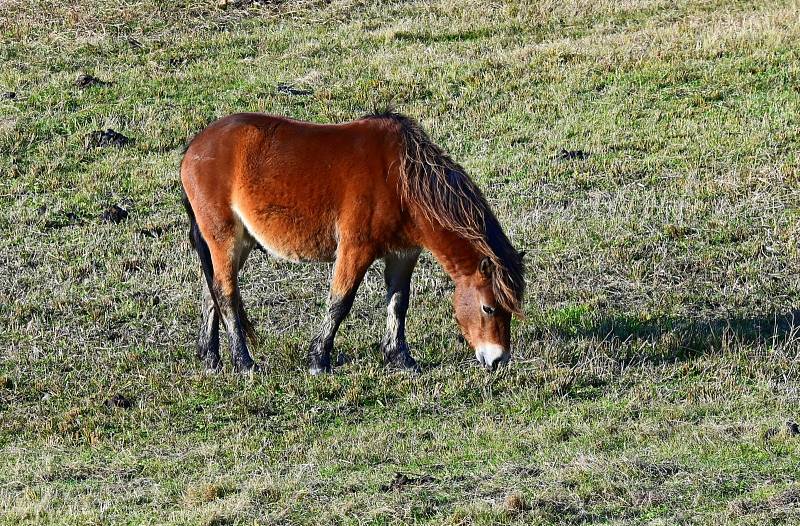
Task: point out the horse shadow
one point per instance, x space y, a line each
671 339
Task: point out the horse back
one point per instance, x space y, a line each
300 189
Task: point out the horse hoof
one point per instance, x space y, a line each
212 366
246 367
413 369
319 364
316 371
404 362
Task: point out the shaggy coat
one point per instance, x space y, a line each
351 193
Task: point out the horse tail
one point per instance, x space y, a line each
200 246
196 238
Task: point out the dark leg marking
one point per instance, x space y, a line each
230 311
397 276
321 346
208 337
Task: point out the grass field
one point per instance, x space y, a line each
656 379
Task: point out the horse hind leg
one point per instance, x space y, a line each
245 247
397 276
231 306
208 336
228 250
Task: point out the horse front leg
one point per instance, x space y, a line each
397 276
352 263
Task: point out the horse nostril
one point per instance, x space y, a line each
500 360
491 356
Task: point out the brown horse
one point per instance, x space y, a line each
350 193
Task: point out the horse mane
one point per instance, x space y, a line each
445 195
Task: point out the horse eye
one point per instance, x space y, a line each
487 309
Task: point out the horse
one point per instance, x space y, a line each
348 193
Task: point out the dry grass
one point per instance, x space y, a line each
657 369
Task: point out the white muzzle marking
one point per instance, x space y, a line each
489 354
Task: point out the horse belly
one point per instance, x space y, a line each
287 234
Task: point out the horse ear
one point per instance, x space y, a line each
486 267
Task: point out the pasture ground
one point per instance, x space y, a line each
655 379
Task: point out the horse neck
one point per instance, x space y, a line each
455 253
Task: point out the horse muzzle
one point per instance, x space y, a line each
491 355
